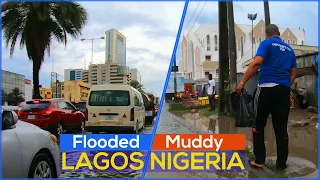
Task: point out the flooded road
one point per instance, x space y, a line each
303 145
303 148
114 174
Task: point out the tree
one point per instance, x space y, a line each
137 85
15 97
35 24
4 96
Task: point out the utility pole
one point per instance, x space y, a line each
252 17
232 48
223 55
266 13
175 76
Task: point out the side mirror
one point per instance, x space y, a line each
9 119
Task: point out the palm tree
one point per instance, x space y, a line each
137 85
15 97
35 24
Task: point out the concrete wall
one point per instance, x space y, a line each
310 83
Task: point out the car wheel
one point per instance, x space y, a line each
41 167
60 128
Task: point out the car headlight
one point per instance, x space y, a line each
54 138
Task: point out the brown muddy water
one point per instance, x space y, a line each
303 143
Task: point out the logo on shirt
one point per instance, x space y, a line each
282 47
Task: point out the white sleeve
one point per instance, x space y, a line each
213 83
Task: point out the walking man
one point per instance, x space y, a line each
277 63
211 92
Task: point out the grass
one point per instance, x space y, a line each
179 110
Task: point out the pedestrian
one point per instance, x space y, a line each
277 63
211 92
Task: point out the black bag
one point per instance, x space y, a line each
243 108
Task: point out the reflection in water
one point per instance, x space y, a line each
303 141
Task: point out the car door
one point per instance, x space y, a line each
11 155
65 113
75 118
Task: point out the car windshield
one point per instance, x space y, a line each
109 98
35 105
80 105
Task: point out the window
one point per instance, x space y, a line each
208 58
260 40
69 106
283 40
301 42
288 41
217 72
30 105
241 45
109 98
206 73
136 101
208 42
294 42
253 40
62 105
215 42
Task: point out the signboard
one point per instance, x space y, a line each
27 81
180 83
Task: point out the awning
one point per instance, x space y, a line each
186 81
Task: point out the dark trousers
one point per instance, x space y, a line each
212 102
274 101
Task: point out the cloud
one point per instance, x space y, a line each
150 29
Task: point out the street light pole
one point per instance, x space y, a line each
92 39
252 17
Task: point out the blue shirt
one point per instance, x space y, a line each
278 60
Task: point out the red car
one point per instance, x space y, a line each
54 115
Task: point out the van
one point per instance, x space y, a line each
115 108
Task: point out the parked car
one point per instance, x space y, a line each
21 105
153 104
54 115
27 151
115 108
81 105
149 106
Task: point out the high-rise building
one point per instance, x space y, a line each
107 73
115 47
72 74
135 75
11 80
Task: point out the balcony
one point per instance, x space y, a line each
210 65
84 91
83 98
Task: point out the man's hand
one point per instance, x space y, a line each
240 87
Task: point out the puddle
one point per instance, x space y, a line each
303 142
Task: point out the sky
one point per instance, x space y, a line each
284 14
150 29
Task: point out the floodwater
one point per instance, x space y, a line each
303 142
85 173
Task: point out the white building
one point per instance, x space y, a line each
28 90
200 49
72 74
135 75
115 47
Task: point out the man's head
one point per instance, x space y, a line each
272 30
210 76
